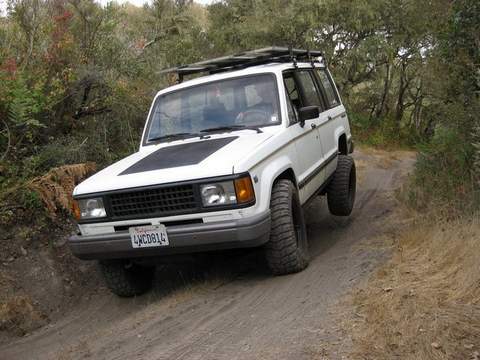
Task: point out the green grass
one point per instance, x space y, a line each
381 133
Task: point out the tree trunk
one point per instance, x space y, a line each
401 95
386 89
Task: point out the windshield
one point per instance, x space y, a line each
250 101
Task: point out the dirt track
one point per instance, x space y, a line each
233 309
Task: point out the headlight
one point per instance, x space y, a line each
218 194
90 209
239 191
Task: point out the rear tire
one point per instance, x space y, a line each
287 249
126 279
342 188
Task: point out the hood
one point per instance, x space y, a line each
175 161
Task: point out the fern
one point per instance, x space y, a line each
24 106
56 187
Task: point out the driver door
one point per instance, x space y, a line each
301 91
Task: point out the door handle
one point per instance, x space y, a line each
313 126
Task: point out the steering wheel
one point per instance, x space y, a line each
245 114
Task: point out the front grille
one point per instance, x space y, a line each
159 202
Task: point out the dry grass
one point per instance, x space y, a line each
425 302
19 316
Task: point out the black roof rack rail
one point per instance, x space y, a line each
247 59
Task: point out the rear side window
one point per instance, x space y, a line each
330 92
310 93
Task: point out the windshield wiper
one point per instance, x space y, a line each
232 128
173 136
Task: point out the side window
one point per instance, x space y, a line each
330 93
292 110
292 91
311 96
293 99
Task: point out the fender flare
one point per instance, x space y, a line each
270 173
339 131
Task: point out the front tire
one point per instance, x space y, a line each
342 188
287 249
125 278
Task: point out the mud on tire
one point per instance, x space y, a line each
342 187
287 249
126 279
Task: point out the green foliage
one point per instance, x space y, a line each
30 199
381 133
24 107
443 177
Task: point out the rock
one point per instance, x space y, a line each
60 242
23 251
436 345
468 346
387 289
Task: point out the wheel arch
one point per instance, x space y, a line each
287 174
280 168
342 141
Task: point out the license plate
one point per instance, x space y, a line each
148 236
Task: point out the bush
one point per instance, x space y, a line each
382 132
444 178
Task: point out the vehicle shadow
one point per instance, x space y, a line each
212 270
216 269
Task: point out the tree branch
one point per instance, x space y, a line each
9 141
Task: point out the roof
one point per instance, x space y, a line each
274 54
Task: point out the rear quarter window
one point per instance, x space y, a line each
311 96
329 90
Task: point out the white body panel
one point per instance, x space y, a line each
221 164
263 155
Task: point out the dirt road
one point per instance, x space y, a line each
233 309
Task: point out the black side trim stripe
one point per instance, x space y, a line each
315 172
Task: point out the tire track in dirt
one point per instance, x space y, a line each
234 309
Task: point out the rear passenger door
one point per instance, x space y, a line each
330 118
302 90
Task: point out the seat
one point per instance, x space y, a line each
215 115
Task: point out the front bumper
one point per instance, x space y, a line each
251 232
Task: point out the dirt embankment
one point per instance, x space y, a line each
39 279
233 308
424 303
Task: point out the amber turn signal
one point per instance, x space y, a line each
76 210
244 190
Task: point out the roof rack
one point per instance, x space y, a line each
246 59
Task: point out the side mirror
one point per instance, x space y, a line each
307 113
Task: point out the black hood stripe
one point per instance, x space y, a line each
178 155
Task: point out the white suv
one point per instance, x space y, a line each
227 160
